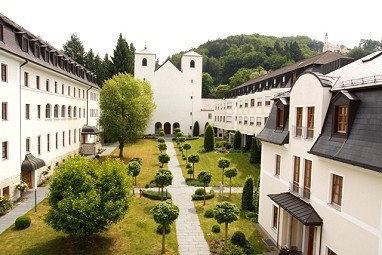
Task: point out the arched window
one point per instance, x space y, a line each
144 62
56 111
47 111
192 64
63 111
74 112
69 111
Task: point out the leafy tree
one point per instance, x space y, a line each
229 173
255 155
226 212
195 130
205 178
123 58
165 213
161 133
223 163
186 147
295 52
237 140
247 195
75 49
220 91
163 158
209 139
126 107
241 76
163 178
134 168
193 158
96 194
207 85
162 147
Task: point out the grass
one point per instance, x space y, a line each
135 234
209 162
216 240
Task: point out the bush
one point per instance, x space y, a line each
216 228
23 222
160 229
193 182
247 195
209 137
161 140
238 238
201 197
209 213
188 166
155 195
199 191
184 157
5 205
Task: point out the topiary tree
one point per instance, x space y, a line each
165 213
223 163
176 131
195 130
237 140
133 169
162 147
186 147
231 172
226 212
163 178
255 155
161 133
161 140
163 158
205 125
193 158
205 178
96 194
247 195
181 140
137 159
23 222
238 238
209 138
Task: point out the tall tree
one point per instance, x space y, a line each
255 154
134 168
123 58
75 49
195 129
247 195
223 163
209 137
237 140
207 85
229 173
126 106
193 158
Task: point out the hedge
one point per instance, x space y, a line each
201 197
155 195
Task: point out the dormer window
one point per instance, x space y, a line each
1 33
345 105
282 113
24 45
144 62
280 117
192 64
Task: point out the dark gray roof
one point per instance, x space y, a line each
31 163
298 208
91 130
11 44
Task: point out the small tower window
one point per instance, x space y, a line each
144 62
192 64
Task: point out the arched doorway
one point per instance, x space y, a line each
158 125
167 128
175 125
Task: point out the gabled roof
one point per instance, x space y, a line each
192 53
145 51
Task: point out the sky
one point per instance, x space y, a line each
167 27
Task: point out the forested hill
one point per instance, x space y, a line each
236 59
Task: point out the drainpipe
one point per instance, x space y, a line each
87 105
23 64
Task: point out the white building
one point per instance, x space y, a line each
177 93
49 104
333 47
321 183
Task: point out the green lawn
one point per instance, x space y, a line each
208 161
244 225
135 234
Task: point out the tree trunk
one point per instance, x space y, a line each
204 202
193 170
230 187
163 239
225 236
223 176
186 157
121 145
161 196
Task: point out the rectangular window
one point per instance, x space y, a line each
68 90
24 46
1 33
209 116
258 121
259 102
37 82
48 142
74 92
39 145
4 72
28 145
56 140
47 85
79 134
267 101
307 178
275 217
38 111
69 138
6 191
280 117
26 79
79 93
55 87
337 185
63 139
63 89
277 164
75 136
342 112
252 102
296 173
298 121
310 123
4 111
5 150
27 111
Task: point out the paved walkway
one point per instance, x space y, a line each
189 233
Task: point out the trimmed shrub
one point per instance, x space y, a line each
160 229
209 213
209 139
155 195
161 140
193 182
23 222
237 140
199 191
195 130
238 238
255 155
188 166
247 196
216 228
201 197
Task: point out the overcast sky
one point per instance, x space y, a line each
170 26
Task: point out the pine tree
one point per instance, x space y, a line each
237 140
195 130
209 139
247 196
255 155
75 49
123 58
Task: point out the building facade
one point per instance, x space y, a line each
177 93
47 99
320 188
